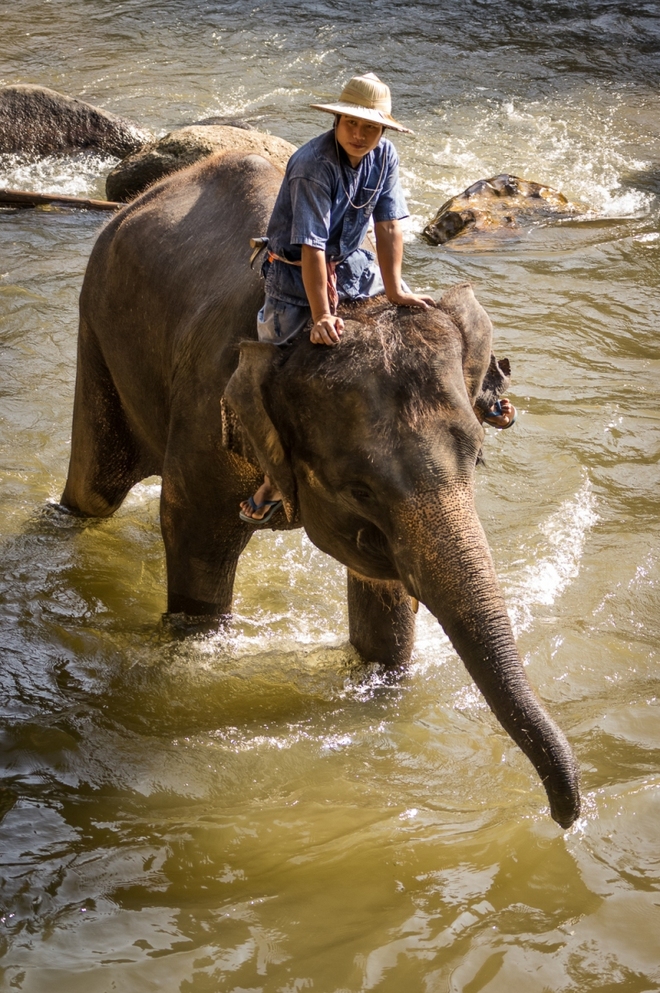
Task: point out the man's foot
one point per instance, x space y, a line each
269 507
261 506
501 415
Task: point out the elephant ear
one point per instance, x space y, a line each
496 382
246 394
461 305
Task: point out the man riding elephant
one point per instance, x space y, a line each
334 186
373 443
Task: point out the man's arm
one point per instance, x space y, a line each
389 247
327 327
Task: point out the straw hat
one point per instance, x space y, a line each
368 98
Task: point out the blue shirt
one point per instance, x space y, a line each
313 208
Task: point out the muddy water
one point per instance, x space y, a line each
259 811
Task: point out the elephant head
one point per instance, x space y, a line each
373 444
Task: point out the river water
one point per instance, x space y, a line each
259 811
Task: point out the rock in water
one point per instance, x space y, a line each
497 204
39 121
185 146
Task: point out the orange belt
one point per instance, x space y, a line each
331 285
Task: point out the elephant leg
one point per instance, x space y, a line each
381 620
105 458
202 533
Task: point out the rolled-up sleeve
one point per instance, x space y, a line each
311 204
391 204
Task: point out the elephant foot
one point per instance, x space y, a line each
177 603
179 626
186 615
381 621
66 511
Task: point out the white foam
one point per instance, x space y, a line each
237 102
144 492
556 563
73 175
556 560
576 145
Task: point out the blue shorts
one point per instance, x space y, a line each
278 321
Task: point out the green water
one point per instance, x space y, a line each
259 811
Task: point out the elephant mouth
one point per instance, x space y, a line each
374 548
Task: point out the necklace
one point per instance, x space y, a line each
358 206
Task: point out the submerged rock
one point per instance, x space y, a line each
184 147
39 121
501 203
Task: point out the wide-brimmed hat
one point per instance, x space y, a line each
368 98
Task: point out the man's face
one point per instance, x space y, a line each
357 137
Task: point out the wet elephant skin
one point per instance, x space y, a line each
39 121
372 443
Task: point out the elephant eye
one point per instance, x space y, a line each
359 492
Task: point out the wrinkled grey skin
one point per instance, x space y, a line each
373 443
39 121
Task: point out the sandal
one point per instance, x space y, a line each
273 505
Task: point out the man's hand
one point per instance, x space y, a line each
327 330
327 327
411 300
389 246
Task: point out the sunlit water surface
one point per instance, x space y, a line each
259 811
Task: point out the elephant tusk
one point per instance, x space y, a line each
414 604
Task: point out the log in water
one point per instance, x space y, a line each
25 198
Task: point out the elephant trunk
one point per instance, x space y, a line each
454 576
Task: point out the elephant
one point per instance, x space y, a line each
40 121
501 205
185 146
373 443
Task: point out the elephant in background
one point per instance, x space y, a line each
40 121
373 443
502 205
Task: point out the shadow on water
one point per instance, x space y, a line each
647 179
